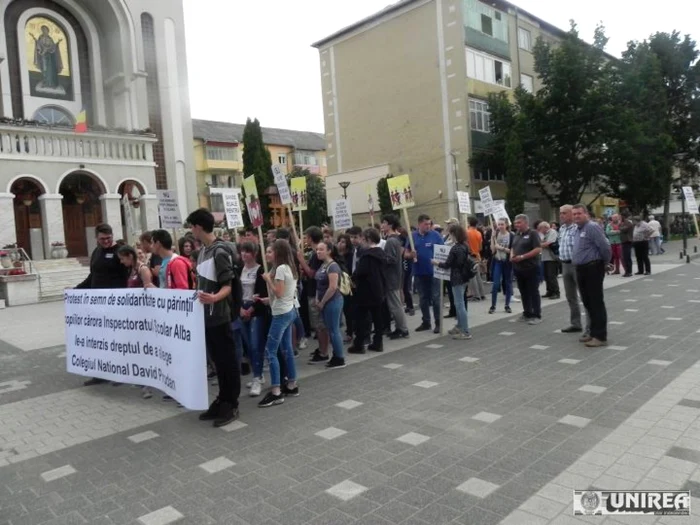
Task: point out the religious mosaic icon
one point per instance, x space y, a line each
48 61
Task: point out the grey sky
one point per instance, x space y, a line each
254 58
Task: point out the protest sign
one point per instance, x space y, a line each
253 202
464 202
342 214
440 252
486 200
299 194
169 209
232 207
281 183
149 337
690 199
400 192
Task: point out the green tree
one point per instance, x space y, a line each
317 212
257 162
515 174
383 195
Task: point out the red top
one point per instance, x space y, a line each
177 273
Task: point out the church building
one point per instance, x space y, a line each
94 119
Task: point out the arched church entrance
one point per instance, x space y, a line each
27 214
82 210
130 192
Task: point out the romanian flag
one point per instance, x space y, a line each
81 122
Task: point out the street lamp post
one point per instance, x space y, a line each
344 185
684 224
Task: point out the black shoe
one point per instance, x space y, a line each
450 315
557 296
647 273
423 328
396 334
315 352
336 362
227 414
245 369
571 330
436 330
375 348
627 275
94 381
271 399
639 273
545 296
410 311
212 413
508 310
492 309
482 298
354 350
290 392
318 358
387 332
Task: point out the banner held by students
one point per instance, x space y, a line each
148 337
463 202
486 200
281 183
342 214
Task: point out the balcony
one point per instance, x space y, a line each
35 143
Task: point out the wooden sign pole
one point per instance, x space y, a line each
301 231
291 220
408 229
262 248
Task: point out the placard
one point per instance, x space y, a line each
299 194
464 202
342 214
252 201
440 253
486 200
400 192
232 208
169 209
690 199
281 183
152 337
499 212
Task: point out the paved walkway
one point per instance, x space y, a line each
498 429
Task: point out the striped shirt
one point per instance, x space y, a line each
566 241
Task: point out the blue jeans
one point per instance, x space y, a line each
429 292
251 333
458 291
281 334
502 273
331 317
299 324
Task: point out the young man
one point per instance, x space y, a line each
394 274
313 236
105 271
475 240
428 287
155 261
214 284
178 268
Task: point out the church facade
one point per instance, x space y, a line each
94 119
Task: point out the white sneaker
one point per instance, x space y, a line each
255 388
302 343
260 380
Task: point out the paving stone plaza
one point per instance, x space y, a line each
499 429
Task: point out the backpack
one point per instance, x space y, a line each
345 284
191 274
470 269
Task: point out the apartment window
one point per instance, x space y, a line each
524 39
486 19
224 154
479 116
216 202
486 68
282 159
527 82
305 158
486 176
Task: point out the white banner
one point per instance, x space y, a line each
149 337
690 199
464 202
169 209
232 208
440 253
499 211
342 214
486 200
281 183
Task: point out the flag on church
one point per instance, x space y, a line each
81 122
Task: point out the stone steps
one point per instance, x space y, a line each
55 275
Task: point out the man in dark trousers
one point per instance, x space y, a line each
370 292
526 259
591 255
105 271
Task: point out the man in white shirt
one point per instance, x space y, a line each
655 238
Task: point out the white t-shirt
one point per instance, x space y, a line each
655 227
284 304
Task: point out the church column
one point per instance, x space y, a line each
51 220
112 213
8 233
149 212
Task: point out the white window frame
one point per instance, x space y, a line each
524 39
527 82
220 153
282 159
483 67
479 116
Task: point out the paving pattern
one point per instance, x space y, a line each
498 429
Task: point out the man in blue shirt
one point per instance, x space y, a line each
590 257
428 287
